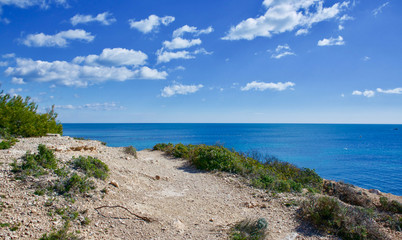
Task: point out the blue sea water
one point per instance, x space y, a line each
369 156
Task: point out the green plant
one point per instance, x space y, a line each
331 216
73 184
39 192
36 164
8 143
131 151
92 167
390 206
86 221
61 234
19 117
249 230
265 172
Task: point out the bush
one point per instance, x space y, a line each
61 234
73 184
263 172
390 206
131 151
249 230
347 222
8 143
19 117
36 164
92 167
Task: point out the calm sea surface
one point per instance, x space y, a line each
368 156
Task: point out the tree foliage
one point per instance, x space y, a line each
19 117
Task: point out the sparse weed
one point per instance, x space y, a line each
249 230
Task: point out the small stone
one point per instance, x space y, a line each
211 220
375 191
157 177
114 183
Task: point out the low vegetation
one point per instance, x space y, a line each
249 230
131 151
332 216
92 167
264 172
8 142
19 117
61 234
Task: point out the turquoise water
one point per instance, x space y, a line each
368 156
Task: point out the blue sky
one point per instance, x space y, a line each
265 61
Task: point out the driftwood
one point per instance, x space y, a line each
146 219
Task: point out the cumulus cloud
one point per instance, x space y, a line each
282 51
60 39
84 73
379 9
103 18
366 93
390 91
331 41
166 56
3 64
302 31
16 80
262 86
190 29
151 23
92 106
283 16
180 89
178 43
114 57
14 91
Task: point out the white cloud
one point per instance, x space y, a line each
341 27
302 31
379 9
9 55
190 29
390 91
165 56
92 106
346 17
331 41
14 91
114 57
16 80
262 86
178 43
103 18
366 93
3 64
282 51
30 3
60 39
284 15
366 58
151 23
180 89
74 74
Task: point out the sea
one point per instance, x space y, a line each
369 156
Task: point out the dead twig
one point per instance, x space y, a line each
146 219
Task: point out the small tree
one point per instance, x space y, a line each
19 117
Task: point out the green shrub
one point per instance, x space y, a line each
36 164
331 216
131 151
390 206
8 143
265 172
73 184
92 167
19 117
249 230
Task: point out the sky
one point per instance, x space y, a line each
204 61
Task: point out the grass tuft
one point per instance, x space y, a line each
131 151
249 230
